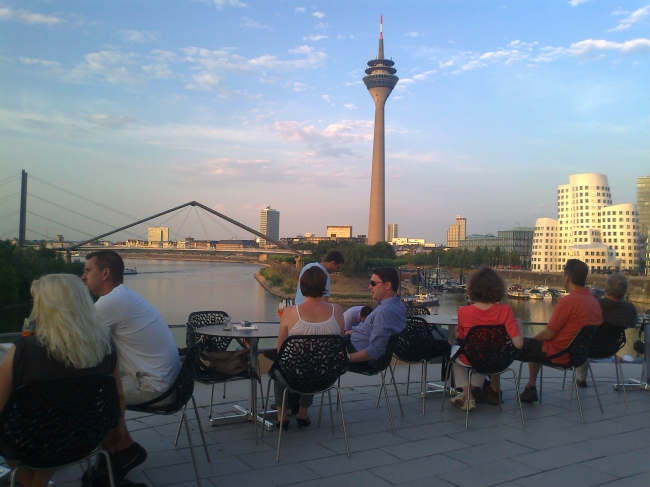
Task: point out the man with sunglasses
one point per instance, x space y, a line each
369 338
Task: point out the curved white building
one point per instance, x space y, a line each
545 251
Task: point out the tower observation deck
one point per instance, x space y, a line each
380 81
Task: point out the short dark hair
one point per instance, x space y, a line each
616 285
313 282
485 286
577 272
388 274
334 256
365 311
112 260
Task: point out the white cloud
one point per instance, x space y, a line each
248 23
350 106
314 38
42 62
320 15
326 98
220 4
300 10
590 45
575 3
423 76
298 86
204 82
110 121
27 17
634 18
414 34
114 66
137 36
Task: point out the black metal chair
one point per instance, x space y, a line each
578 353
58 423
607 341
310 365
180 392
416 345
490 350
383 364
416 311
198 320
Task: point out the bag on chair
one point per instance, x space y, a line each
226 362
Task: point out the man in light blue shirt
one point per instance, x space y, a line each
370 337
331 263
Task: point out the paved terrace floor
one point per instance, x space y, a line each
434 450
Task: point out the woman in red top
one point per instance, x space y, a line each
486 289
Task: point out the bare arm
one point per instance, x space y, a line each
361 356
286 318
545 335
6 377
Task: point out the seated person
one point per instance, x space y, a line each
355 315
70 342
486 289
146 348
313 317
369 339
579 308
616 311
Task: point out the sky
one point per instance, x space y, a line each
142 106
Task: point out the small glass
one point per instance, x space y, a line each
227 323
281 307
29 327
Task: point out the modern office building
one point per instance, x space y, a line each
339 231
158 234
589 228
269 224
643 204
457 232
518 240
380 80
391 232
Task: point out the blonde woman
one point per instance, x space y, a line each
69 342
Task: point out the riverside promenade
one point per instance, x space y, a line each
434 450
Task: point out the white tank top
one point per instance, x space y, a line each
302 327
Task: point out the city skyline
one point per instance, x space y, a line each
221 103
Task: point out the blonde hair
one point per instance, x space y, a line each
67 323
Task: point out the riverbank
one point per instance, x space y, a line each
235 259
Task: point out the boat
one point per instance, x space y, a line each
428 299
129 271
534 293
518 295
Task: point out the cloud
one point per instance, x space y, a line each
110 121
314 38
424 76
319 15
26 17
326 98
414 34
204 82
300 10
42 62
221 4
350 106
588 46
575 3
327 142
114 66
137 36
635 17
298 86
248 23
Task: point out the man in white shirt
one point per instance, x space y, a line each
331 263
147 352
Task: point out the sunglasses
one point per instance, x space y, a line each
374 283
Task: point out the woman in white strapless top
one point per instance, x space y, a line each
313 317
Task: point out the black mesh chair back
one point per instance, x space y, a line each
311 364
608 340
55 423
578 349
488 348
416 342
416 311
199 319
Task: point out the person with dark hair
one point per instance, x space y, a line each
486 289
147 351
616 311
355 315
579 308
313 317
369 339
331 263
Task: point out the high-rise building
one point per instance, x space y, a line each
589 228
380 81
457 232
158 234
391 232
269 224
643 204
339 231
518 240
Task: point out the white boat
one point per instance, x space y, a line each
534 293
129 271
427 300
518 295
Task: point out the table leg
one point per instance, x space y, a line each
646 361
432 387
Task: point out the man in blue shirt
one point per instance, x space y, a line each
370 337
331 263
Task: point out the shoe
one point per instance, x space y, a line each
285 425
459 400
529 395
581 383
471 405
303 422
487 396
122 462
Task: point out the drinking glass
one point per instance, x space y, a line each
281 307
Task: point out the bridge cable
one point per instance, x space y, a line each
6 198
58 223
9 179
9 232
207 237
9 214
220 224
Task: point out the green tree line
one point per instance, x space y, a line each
19 266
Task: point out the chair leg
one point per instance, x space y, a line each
198 420
224 390
383 386
399 401
423 384
180 425
345 433
253 383
517 398
329 395
212 399
266 405
107 457
189 439
320 410
469 388
541 382
563 379
444 389
619 367
408 379
575 385
499 393
338 386
379 393
281 411
593 381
